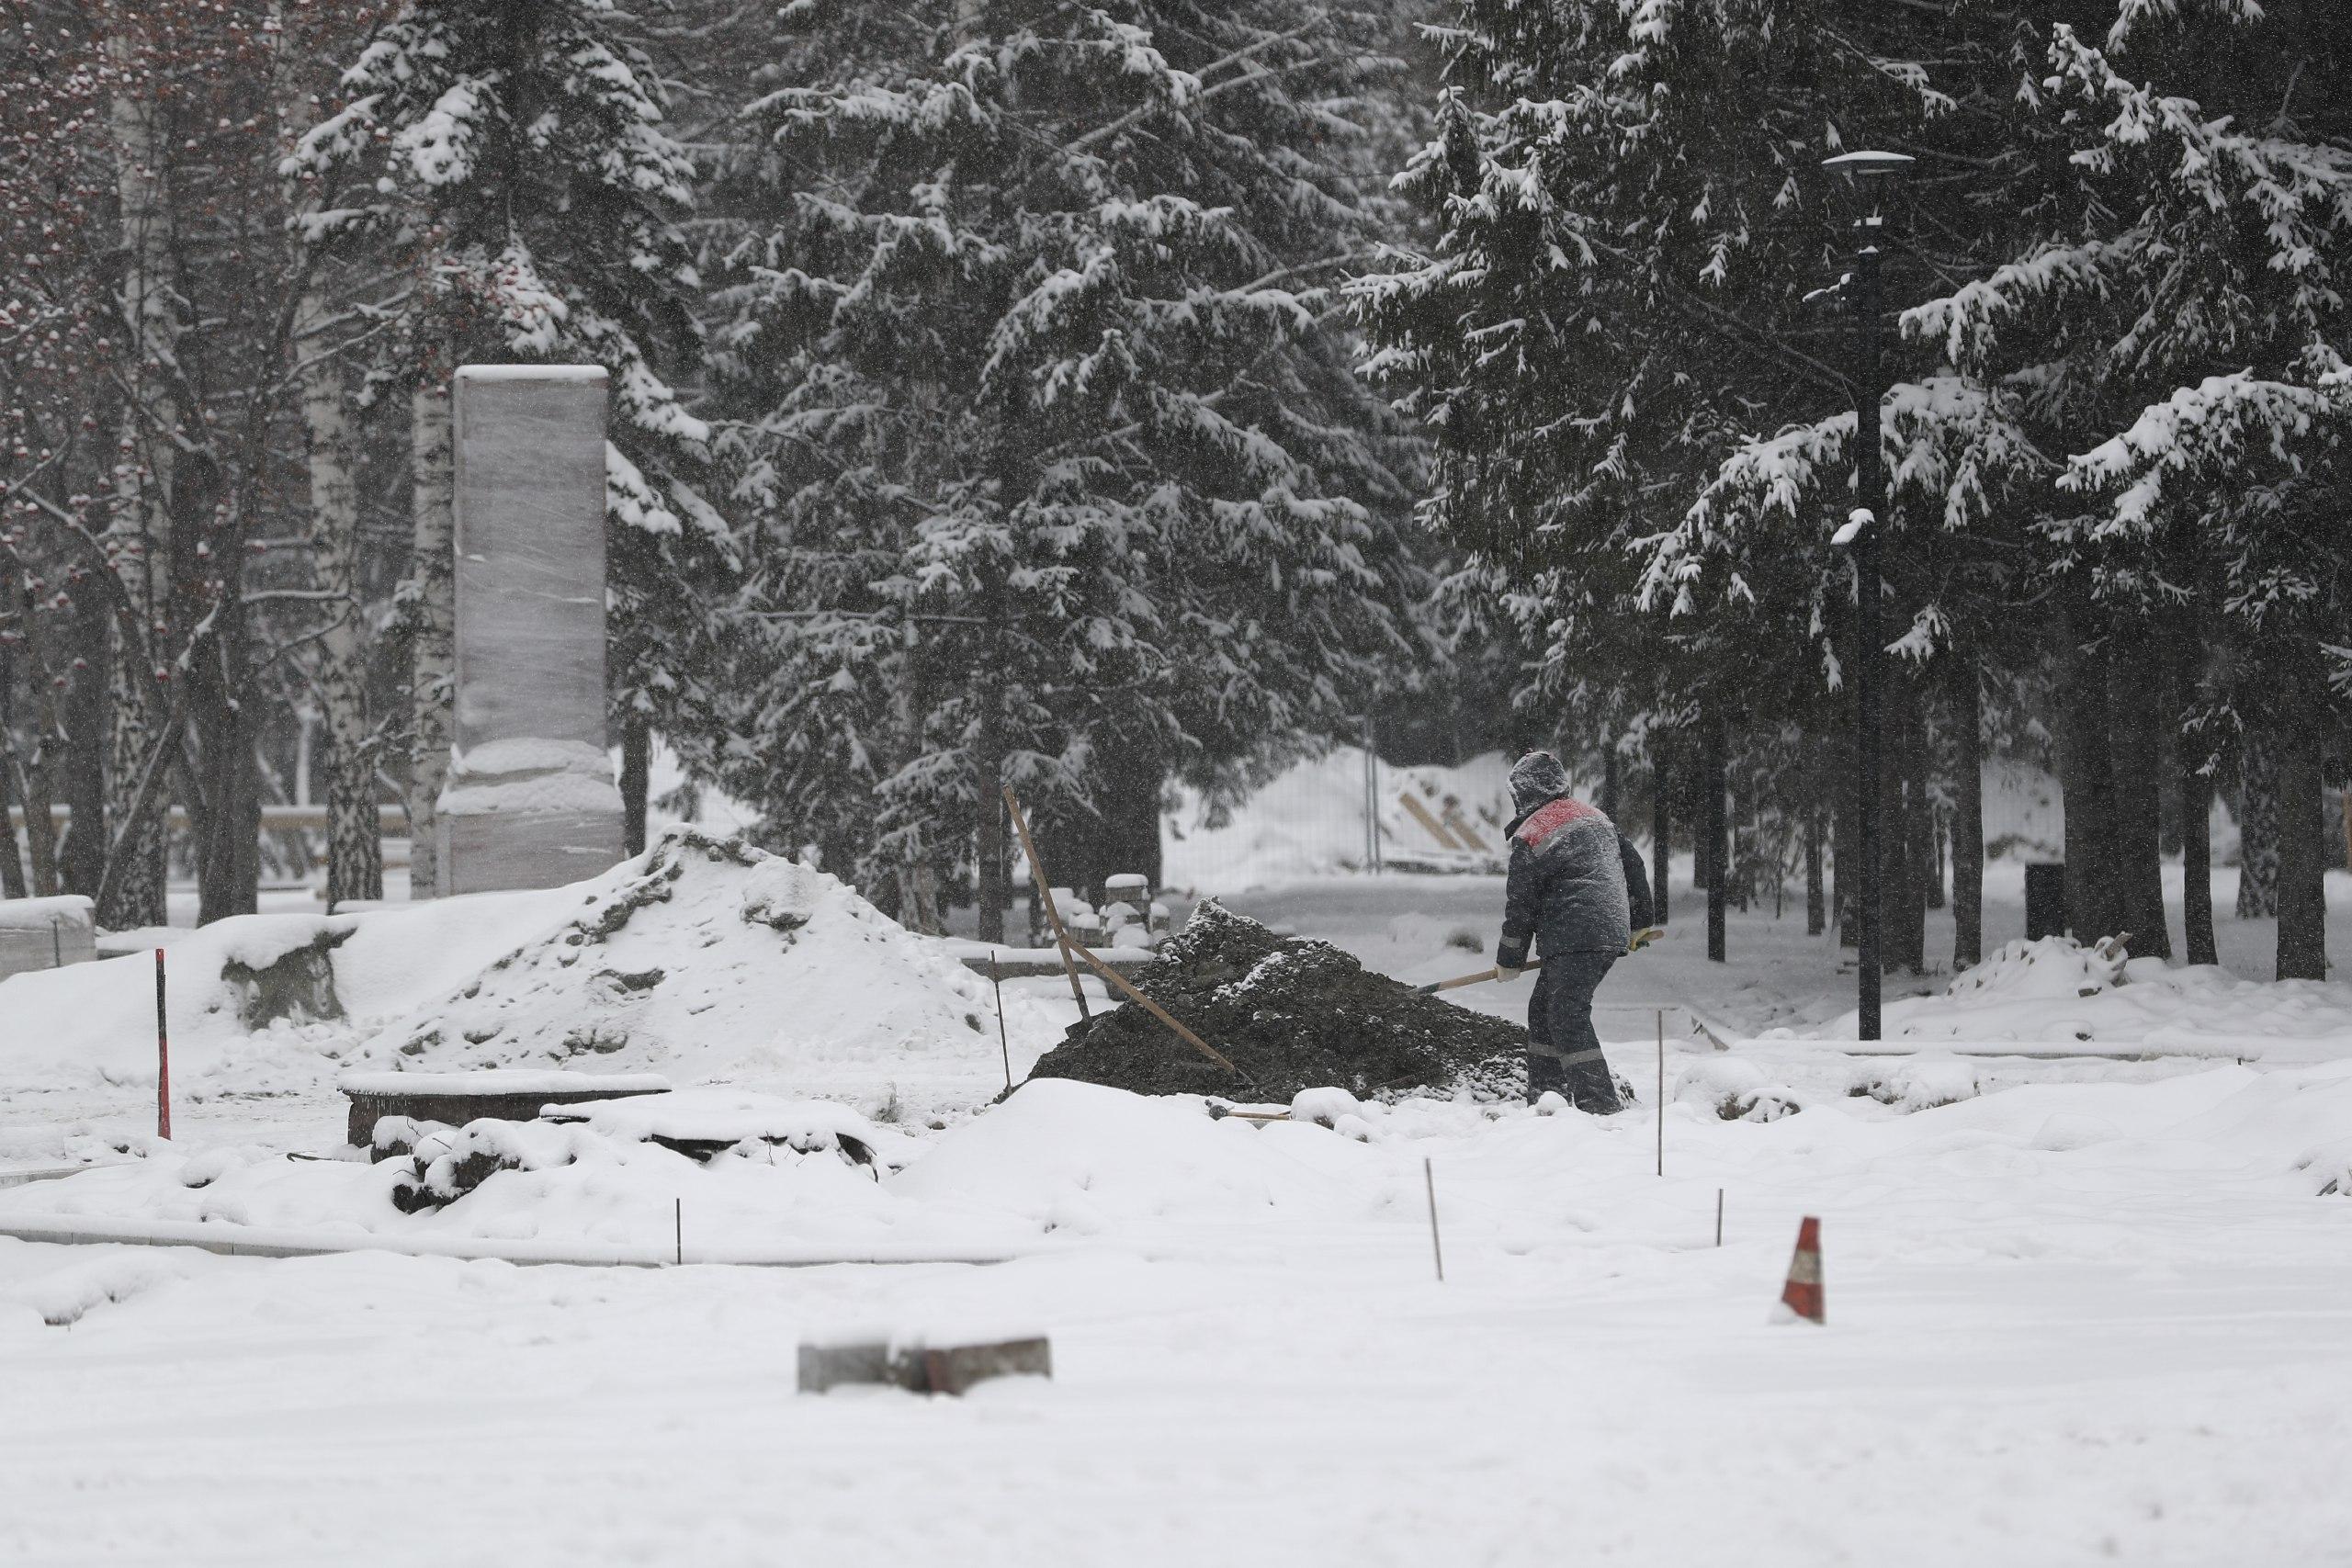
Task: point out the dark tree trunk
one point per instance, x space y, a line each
224 776
82 855
1903 901
1121 834
1662 836
991 882
1968 817
1609 782
12 866
2139 844
1845 867
2197 865
1918 831
2086 780
2258 816
1693 783
1718 892
2305 850
637 779
1128 792
1815 914
224 808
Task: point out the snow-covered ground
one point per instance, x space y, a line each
2080 1310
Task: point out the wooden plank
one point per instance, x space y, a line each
1463 832
1046 895
1153 1008
1435 828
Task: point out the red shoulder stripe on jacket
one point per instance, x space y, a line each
1550 818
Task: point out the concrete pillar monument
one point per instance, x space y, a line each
530 799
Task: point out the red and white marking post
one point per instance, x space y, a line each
1802 1296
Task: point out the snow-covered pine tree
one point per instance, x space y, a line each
2169 318
1633 218
522 171
1060 475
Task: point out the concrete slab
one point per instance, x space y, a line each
530 799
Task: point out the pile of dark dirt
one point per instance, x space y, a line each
1293 1014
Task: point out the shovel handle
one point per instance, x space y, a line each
1459 980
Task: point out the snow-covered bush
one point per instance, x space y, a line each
1735 1090
1915 1084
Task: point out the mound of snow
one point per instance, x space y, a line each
704 955
1081 1157
2053 966
703 950
2057 990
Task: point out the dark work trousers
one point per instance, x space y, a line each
1562 1053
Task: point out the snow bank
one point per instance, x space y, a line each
2057 991
536 1181
703 955
708 955
1080 1158
1308 821
1076 1161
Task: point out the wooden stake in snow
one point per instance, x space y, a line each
1045 897
678 1226
162 1058
1428 1175
1661 1091
1719 1216
1073 949
996 985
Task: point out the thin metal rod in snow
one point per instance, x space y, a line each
1661 1091
162 1058
1719 1216
997 986
1437 1252
678 1226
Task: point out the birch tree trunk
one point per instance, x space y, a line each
355 844
432 588
142 478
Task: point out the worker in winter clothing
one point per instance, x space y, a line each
1577 891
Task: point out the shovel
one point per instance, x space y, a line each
1481 977
1640 940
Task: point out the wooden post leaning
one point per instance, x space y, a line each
1074 949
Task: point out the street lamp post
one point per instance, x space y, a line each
1861 535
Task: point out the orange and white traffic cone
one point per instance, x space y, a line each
1801 1297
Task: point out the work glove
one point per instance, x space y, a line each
1643 938
1505 974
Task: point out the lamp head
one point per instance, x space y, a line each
1869 164
1870 172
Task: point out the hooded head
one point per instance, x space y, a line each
1534 779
